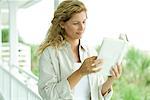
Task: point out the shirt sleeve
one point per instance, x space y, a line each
106 96
109 95
50 88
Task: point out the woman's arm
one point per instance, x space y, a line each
88 66
74 78
106 88
49 86
116 72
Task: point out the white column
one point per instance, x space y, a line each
0 37
13 36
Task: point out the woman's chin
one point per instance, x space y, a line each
79 36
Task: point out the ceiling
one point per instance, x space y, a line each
18 3
4 5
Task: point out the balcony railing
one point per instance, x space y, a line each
24 55
17 83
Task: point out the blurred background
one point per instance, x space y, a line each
24 24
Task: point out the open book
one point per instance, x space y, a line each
112 52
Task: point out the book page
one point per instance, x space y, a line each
112 52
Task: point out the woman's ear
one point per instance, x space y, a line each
62 24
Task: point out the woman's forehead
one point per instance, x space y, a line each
79 16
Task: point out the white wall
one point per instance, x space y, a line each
112 17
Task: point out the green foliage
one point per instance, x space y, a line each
35 60
5 35
124 90
35 71
34 56
134 83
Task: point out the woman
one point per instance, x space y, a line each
69 70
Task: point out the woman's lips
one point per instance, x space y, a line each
79 33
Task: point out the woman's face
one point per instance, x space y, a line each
75 26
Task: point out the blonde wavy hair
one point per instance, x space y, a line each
56 35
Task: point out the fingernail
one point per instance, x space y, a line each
93 64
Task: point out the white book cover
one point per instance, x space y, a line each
112 52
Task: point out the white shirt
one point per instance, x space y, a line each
82 88
56 65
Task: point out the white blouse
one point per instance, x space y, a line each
57 65
82 89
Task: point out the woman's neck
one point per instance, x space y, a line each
75 49
74 43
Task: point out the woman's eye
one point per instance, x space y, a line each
75 23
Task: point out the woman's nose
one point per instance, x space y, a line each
81 27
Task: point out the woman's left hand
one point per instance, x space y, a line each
116 72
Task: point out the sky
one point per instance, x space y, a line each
106 18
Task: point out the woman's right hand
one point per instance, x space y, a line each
90 65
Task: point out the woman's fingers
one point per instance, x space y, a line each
119 67
92 58
91 65
116 71
96 65
96 68
112 73
98 62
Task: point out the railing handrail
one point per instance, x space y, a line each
23 84
24 54
27 73
21 69
19 73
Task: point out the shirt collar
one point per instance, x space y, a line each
81 45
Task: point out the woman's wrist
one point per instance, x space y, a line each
110 79
104 94
74 78
80 73
106 88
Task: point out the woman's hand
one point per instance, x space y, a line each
90 65
115 72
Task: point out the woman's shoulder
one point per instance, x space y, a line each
49 51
